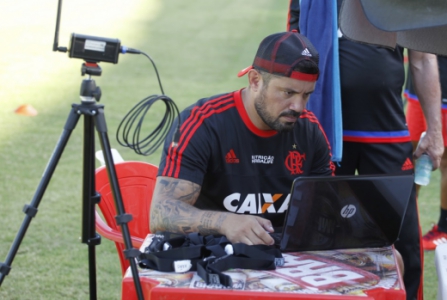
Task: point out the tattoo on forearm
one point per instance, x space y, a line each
173 209
187 229
179 189
220 220
207 219
206 231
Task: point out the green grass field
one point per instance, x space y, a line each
198 47
428 215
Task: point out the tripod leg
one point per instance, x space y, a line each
122 218
31 209
89 196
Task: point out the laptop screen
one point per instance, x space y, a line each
345 212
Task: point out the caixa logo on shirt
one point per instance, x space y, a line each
256 203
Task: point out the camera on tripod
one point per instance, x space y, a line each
94 49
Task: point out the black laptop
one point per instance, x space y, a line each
342 212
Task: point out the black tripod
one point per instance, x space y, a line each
93 117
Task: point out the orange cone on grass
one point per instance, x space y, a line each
26 110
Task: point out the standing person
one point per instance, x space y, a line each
238 153
375 135
416 125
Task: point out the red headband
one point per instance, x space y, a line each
295 75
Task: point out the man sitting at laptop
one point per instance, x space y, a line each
230 167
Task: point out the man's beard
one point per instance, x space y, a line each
271 121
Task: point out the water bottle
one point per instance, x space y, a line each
423 168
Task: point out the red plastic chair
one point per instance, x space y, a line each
137 182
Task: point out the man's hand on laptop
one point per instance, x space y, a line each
250 230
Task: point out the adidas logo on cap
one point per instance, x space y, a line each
306 52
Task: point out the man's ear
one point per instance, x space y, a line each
254 80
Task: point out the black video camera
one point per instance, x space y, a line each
94 49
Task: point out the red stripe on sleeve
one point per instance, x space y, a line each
193 130
311 117
188 128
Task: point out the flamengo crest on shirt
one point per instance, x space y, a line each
294 162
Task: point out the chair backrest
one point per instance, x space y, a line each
137 181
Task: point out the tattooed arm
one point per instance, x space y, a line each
172 210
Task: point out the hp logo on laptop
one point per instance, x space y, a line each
348 211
